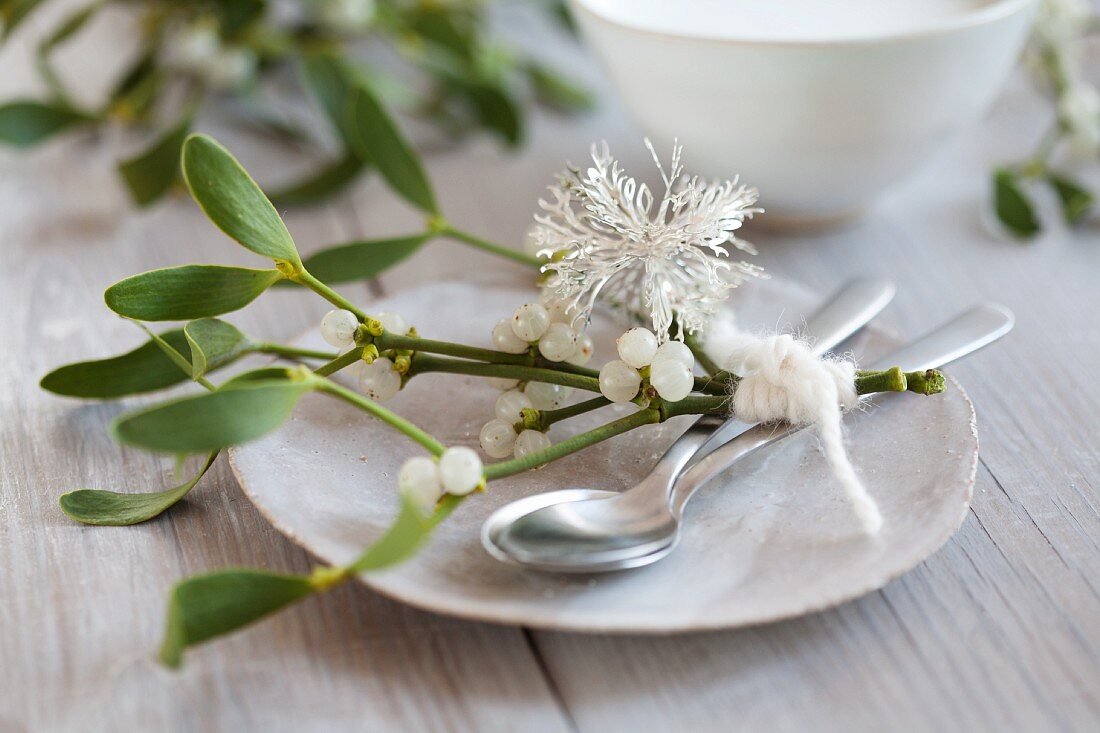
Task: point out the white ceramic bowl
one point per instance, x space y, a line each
821 125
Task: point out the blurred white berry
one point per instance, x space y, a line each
418 479
677 350
509 405
460 470
530 321
497 438
502 383
346 16
1079 111
393 323
193 47
379 380
546 396
530 441
619 382
671 378
559 342
583 353
637 347
338 327
505 339
230 68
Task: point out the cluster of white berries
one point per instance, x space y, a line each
198 49
424 480
379 379
669 366
550 328
500 438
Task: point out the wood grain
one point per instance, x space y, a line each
998 631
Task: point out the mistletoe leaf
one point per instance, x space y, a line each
318 186
362 260
1012 206
150 173
26 123
232 415
232 200
332 82
210 605
1076 200
376 138
188 292
214 342
145 369
114 509
405 536
555 90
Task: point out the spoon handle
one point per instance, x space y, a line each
843 314
975 328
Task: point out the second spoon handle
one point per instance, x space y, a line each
975 328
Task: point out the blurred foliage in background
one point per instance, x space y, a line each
432 59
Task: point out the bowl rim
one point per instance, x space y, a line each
979 16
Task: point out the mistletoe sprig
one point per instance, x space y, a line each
1055 54
219 52
540 353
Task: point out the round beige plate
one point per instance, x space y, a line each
771 538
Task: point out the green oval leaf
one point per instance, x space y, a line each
1076 200
27 123
376 138
331 81
405 536
1012 206
145 369
214 342
361 260
232 200
205 422
114 509
152 172
206 606
190 291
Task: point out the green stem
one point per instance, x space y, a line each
549 417
926 382
390 418
423 363
293 351
692 342
339 362
648 416
498 249
388 340
327 293
696 405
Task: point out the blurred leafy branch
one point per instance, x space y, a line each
439 63
1056 58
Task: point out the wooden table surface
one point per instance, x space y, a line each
999 630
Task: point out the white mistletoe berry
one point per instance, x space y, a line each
338 327
530 441
460 470
393 322
677 350
510 403
497 438
583 353
505 339
379 380
530 321
545 396
671 378
637 347
559 342
619 382
419 480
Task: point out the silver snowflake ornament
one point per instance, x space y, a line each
609 238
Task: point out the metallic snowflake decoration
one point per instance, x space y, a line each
609 238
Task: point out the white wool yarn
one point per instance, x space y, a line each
782 380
